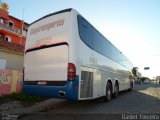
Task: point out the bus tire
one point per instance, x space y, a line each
108 95
116 90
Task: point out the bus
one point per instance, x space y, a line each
67 58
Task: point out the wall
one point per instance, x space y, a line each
10 81
17 22
14 61
16 38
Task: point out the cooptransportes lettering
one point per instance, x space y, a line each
47 27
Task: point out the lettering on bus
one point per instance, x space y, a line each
47 27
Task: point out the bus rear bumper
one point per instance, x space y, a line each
68 91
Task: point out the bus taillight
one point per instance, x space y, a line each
71 71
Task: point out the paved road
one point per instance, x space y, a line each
145 98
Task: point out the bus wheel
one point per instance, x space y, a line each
116 90
108 96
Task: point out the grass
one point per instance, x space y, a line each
24 99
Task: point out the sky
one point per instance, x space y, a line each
133 26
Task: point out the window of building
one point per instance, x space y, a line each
2 64
8 38
25 29
1 20
10 24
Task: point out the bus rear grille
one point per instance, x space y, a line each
86 84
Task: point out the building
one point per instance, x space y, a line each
12 39
11 28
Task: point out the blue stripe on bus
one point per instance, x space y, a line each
70 89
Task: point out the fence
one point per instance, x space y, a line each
10 81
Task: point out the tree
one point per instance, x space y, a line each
134 71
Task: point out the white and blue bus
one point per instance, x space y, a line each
66 57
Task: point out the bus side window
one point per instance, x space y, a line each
85 31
